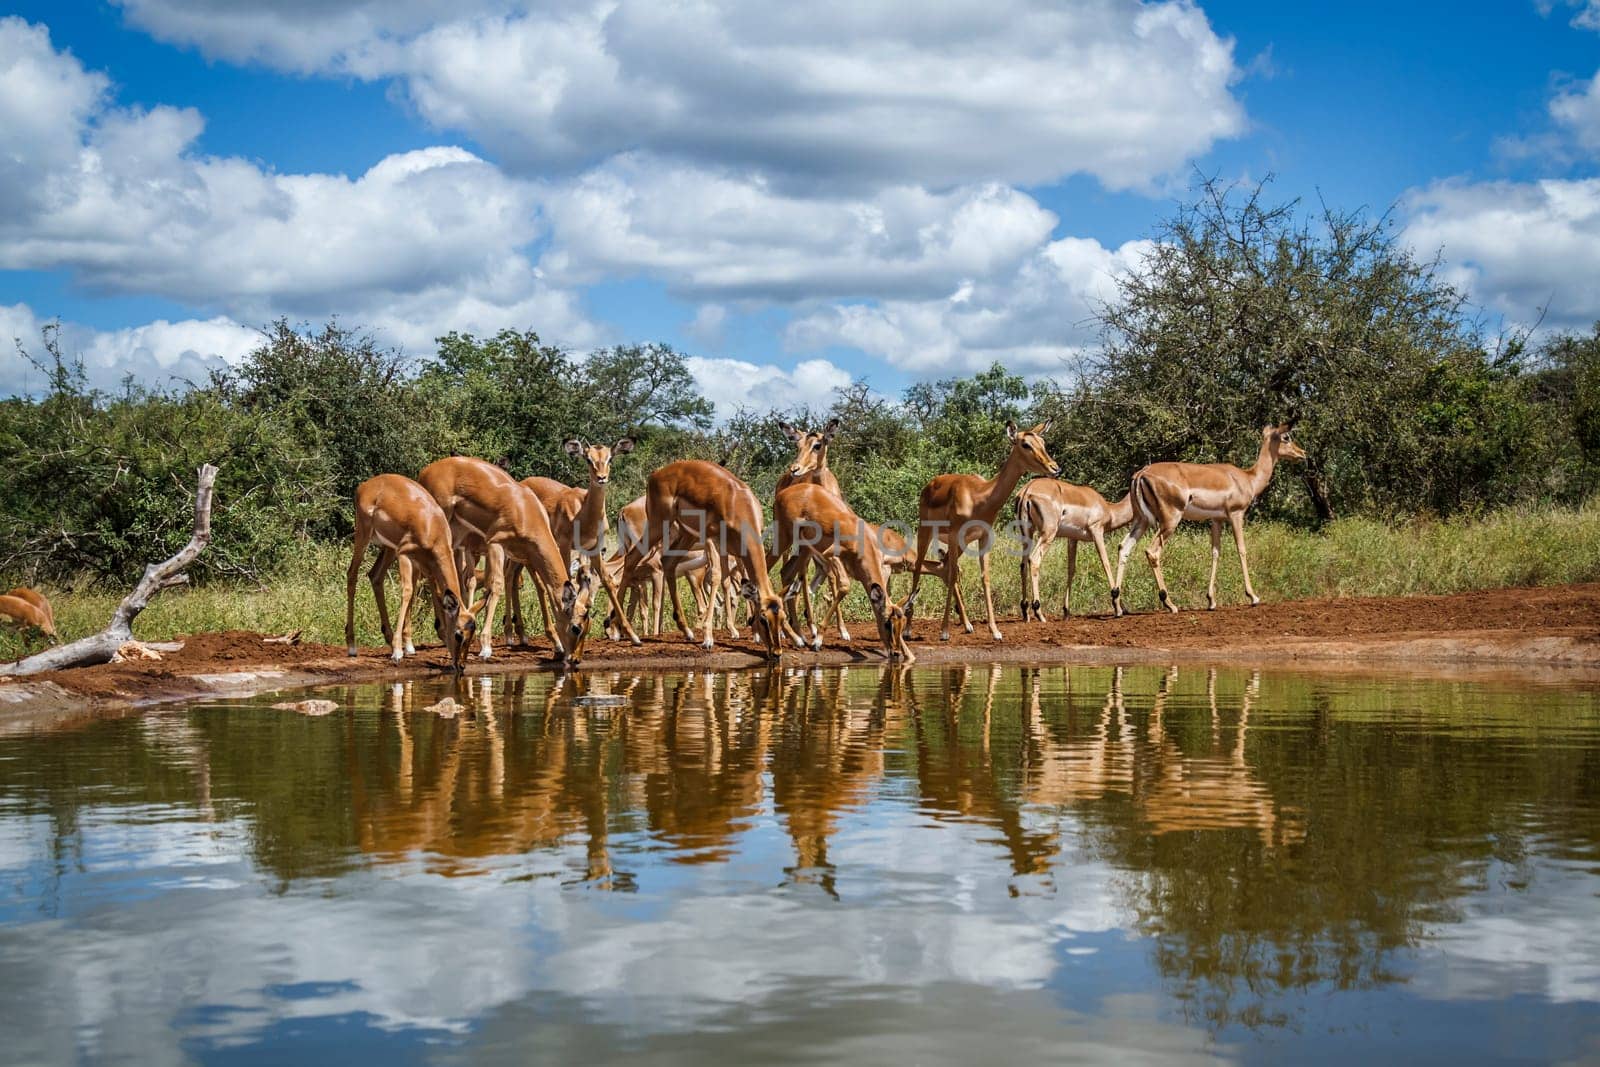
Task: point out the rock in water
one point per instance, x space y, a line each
308 707
446 708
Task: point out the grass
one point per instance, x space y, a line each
1349 557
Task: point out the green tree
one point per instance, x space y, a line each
1246 313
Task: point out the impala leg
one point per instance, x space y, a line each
1158 544
952 575
386 558
1100 550
497 586
1216 550
1236 520
408 589
1129 540
351 577
714 580
657 600
988 596
514 620
407 572
839 583
1032 564
1072 573
678 616
614 598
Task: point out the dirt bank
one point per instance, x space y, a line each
1506 630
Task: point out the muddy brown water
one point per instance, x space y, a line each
849 865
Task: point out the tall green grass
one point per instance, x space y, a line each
1349 557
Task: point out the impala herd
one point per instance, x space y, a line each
697 520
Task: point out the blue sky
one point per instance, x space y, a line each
795 196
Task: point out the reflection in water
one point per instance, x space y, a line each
863 864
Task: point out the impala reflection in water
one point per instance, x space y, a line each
859 865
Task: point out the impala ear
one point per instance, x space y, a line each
451 604
1011 430
911 599
569 596
575 566
789 431
794 589
472 611
623 446
573 446
1043 428
829 430
875 594
748 590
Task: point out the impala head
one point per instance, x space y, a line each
456 627
1277 439
766 617
811 447
573 601
598 457
1029 444
894 622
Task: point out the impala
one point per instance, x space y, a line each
810 466
1165 494
711 504
641 577
821 525
409 526
489 510
28 608
961 508
1047 509
578 520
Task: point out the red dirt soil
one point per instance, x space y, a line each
1557 626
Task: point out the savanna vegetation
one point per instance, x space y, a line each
1442 456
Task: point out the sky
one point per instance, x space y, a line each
794 195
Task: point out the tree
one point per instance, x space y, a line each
344 396
1246 313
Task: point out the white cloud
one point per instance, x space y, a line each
159 352
708 234
734 383
1032 319
1516 246
836 92
422 241
1577 112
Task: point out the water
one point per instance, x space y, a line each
831 866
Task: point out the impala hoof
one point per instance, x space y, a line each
946 635
485 653
637 642
396 656
844 635
997 637
816 645
708 644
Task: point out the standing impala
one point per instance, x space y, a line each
1048 508
961 508
718 510
489 510
578 520
1165 494
409 526
821 525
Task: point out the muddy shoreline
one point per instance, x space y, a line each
1548 635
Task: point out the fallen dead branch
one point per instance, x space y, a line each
103 646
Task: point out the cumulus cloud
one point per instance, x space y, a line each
1034 318
734 383
1021 91
119 199
157 352
1517 247
718 236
